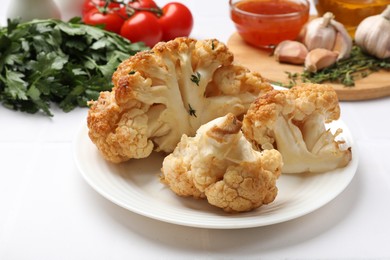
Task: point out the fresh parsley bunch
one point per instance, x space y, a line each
68 63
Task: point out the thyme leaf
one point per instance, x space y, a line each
196 78
191 111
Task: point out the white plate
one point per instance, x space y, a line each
135 185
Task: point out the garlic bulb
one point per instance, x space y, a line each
373 34
319 33
326 33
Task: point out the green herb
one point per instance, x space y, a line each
196 78
191 111
50 61
357 66
293 77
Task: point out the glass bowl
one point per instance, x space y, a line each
265 23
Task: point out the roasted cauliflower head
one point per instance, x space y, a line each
294 122
171 90
219 164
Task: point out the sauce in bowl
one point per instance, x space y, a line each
265 23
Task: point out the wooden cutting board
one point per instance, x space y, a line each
376 85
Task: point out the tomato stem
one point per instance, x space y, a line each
103 9
130 10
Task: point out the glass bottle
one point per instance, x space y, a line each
351 12
28 10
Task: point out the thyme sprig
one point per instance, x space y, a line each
358 65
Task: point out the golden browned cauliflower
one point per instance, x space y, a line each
171 90
220 164
294 122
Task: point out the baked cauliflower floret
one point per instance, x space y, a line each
294 122
171 90
220 164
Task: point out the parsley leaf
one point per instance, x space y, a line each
51 61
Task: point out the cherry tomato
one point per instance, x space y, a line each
142 26
88 5
111 20
143 4
176 21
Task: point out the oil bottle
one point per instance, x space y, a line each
351 12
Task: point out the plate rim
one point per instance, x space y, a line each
82 135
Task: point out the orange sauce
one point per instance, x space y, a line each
255 23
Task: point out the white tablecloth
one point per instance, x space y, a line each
48 211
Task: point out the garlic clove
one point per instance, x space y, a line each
343 46
319 59
320 33
343 42
292 52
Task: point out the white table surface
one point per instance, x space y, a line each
48 211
